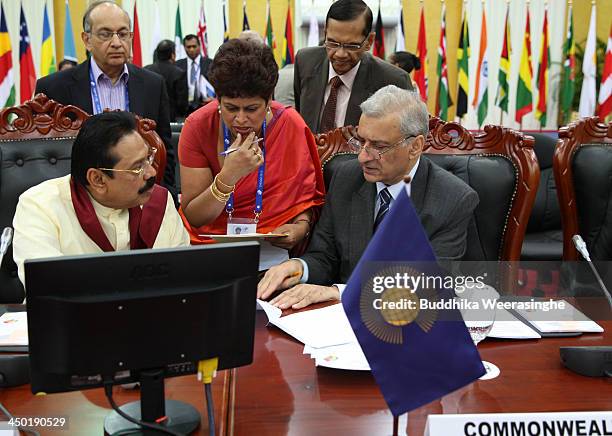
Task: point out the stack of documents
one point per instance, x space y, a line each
326 334
13 329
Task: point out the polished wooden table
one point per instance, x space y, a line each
282 392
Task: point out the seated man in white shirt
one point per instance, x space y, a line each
109 201
390 139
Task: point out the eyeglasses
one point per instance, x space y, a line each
374 152
107 35
141 168
333 45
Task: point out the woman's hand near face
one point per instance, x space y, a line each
243 161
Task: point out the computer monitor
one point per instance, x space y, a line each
140 316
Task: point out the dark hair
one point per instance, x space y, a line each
165 49
406 61
93 145
190 37
66 62
348 10
243 68
87 25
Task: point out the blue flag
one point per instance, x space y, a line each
69 50
245 19
416 356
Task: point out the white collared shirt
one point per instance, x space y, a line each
395 190
191 85
344 92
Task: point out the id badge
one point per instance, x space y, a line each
240 226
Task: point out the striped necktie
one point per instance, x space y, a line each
385 202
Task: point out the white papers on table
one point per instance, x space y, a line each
13 329
566 319
507 326
269 255
318 328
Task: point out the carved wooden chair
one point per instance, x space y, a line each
501 166
35 145
582 167
333 149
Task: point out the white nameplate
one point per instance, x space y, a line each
521 424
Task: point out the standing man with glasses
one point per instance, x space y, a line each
108 202
330 82
107 81
389 141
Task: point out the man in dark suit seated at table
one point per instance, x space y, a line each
330 82
106 80
390 140
108 202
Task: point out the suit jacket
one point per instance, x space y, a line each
176 84
147 93
311 72
443 202
205 63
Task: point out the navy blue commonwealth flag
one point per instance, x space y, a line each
416 354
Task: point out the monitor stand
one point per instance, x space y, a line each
180 417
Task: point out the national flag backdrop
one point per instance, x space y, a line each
605 90
420 75
178 35
588 93
400 42
463 67
269 36
288 39
524 99
481 97
203 31
379 40
503 88
47 54
415 357
69 49
568 75
136 47
27 73
225 29
443 102
245 19
7 82
543 67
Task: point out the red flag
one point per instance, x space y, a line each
202 35
379 40
27 79
288 55
136 50
420 76
605 90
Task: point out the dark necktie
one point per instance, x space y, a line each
328 119
385 202
194 81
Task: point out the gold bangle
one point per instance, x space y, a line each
218 195
223 185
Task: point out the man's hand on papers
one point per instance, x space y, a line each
304 295
279 277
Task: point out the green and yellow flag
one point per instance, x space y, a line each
463 56
503 89
524 99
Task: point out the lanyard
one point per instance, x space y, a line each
96 96
229 206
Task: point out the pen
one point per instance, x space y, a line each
231 150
